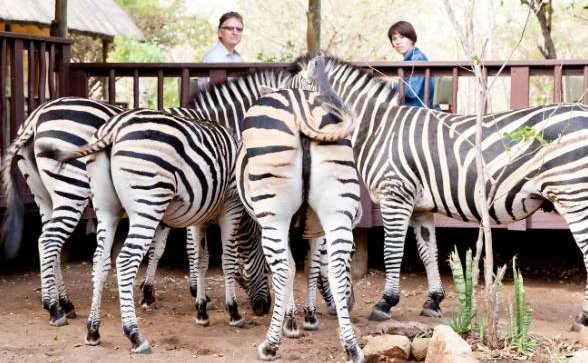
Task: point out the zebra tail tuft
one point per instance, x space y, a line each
331 104
12 224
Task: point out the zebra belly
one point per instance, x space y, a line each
181 213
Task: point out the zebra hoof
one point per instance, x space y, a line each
68 308
261 307
59 321
431 313
266 352
143 348
148 300
92 338
202 321
238 323
332 310
580 322
310 320
291 333
93 333
355 355
379 315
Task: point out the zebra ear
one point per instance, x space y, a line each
264 90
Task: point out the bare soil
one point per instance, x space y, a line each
26 336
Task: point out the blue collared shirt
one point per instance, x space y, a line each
414 87
220 54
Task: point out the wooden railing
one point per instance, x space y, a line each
55 76
32 71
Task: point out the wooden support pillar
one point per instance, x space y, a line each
359 263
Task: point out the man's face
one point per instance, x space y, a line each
230 32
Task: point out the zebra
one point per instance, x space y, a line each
62 196
166 169
227 102
416 162
286 162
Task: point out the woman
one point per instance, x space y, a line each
403 38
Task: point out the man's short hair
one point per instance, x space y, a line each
229 15
403 28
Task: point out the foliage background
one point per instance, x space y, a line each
183 30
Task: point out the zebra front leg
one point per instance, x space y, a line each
155 252
314 273
195 247
105 232
274 240
424 230
141 233
396 216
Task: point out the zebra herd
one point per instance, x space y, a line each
274 152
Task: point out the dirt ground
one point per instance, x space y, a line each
26 336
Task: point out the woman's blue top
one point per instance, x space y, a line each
414 87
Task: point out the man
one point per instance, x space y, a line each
230 30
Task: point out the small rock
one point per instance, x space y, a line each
388 346
580 356
419 347
446 346
409 329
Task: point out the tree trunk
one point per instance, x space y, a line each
544 12
59 24
313 28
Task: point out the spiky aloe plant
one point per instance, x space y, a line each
519 321
462 321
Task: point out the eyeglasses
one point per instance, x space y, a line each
232 28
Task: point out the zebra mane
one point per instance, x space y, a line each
301 63
212 88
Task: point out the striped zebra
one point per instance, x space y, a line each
416 162
166 169
281 171
227 103
63 195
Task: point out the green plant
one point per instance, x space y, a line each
519 320
425 333
462 321
523 135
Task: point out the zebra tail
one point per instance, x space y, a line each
333 105
66 155
12 224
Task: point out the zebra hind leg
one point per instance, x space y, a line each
313 264
155 252
290 326
64 301
424 231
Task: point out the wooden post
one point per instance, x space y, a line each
59 24
359 264
313 27
519 87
